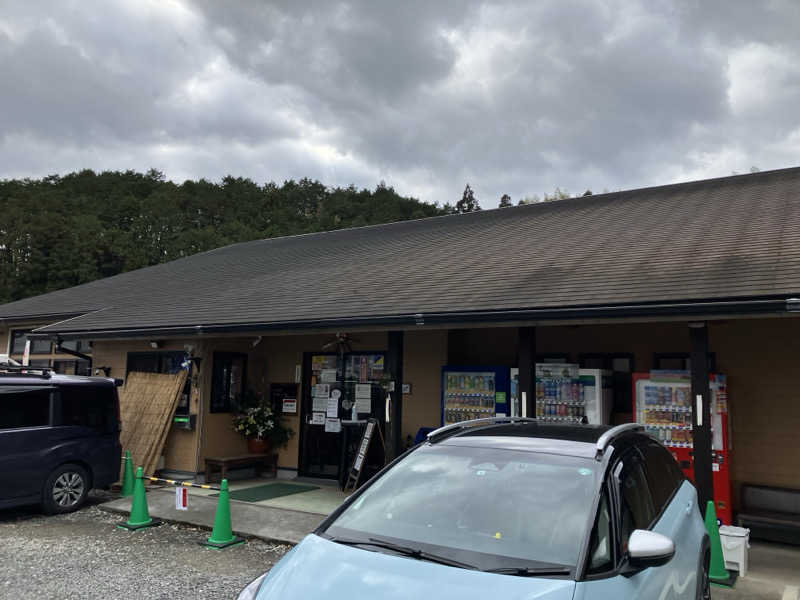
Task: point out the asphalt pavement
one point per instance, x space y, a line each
84 555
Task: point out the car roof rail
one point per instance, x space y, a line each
605 439
22 371
448 430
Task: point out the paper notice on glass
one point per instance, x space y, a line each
332 408
318 418
363 405
333 425
328 375
322 390
319 404
363 390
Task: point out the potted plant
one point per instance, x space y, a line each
263 428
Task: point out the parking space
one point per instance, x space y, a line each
84 555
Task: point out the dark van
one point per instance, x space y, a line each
59 438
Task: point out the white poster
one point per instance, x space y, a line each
322 390
332 408
319 404
318 418
363 405
328 375
290 405
363 390
333 425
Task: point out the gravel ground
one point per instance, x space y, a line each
84 555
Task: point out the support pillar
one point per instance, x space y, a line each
527 371
701 413
394 366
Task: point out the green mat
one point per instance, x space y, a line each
269 491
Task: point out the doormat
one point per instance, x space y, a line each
270 491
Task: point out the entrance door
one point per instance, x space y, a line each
340 392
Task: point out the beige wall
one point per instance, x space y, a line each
424 354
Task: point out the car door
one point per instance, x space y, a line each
675 501
25 419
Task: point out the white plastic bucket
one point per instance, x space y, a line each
735 543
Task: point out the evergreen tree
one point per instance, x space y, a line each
505 201
468 203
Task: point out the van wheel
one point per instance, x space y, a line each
65 489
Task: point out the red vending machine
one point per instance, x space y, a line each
662 403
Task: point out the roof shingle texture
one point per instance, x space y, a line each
734 237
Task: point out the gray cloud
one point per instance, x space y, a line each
514 97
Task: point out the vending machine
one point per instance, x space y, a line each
474 393
663 404
557 398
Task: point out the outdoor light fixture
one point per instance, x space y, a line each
104 370
156 344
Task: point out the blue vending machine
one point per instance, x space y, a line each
474 393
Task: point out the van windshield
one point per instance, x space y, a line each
488 507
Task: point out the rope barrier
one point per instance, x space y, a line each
183 483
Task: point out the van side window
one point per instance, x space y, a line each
88 406
24 407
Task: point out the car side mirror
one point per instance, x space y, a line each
649 549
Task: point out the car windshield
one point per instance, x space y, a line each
487 507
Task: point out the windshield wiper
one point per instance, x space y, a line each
530 571
406 551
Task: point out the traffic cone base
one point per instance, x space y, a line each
129 527
222 545
222 532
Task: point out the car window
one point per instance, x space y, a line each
662 475
88 406
24 407
600 546
484 506
636 505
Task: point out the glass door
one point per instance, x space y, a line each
340 392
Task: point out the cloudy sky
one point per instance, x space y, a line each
513 97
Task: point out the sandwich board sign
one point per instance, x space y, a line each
361 455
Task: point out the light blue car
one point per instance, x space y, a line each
511 509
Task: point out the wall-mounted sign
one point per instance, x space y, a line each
290 405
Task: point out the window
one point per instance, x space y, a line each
160 362
24 406
41 363
38 346
18 342
83 367
89 406
636 505
228 377
601 544
663 475
77 346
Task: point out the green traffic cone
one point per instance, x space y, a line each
127 476
222 532
139 517
716 570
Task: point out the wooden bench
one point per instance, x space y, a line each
219 465
771 514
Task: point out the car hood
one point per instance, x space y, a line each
319 568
